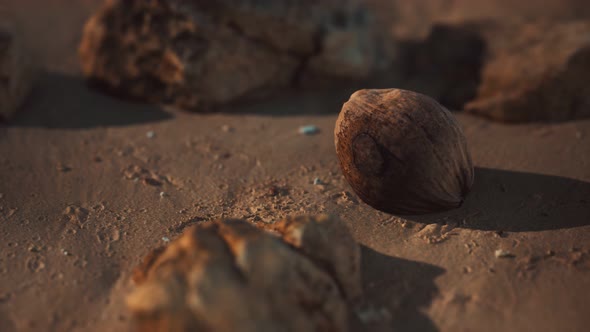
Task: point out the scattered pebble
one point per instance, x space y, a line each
317 181
165 239
309 130
227 129
150 134
33 248
500 253
163 194
65 252
62 168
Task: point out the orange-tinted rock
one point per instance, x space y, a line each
230 276
195 54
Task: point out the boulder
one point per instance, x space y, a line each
231 276
198 54
535 72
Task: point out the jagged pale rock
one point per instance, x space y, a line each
16 70
195 54
230 276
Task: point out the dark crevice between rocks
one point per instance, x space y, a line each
301 69
447 65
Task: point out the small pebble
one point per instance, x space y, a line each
503 254
62 168
151 134
317 181
227 129
309 130
65 252
165 239
163 194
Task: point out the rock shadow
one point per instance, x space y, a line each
63 101
397 290
519 202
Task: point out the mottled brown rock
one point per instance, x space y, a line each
196 54
16 70
230 276
402 152
535 72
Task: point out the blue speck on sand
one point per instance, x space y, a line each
309 130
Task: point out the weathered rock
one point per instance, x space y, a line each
231 276
194 54
16 71
329 244
535 72
505 71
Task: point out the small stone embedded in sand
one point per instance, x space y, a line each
230 276
62 168
227 129
500 253
150 134
16 70
194 56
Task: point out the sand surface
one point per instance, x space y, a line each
72 225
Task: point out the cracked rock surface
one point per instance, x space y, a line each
195 54
229 275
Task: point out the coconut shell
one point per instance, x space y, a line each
402 152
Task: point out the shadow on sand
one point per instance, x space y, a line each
402 287
519 202
62 101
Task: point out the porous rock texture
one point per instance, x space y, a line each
231 276
16 70
197 54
